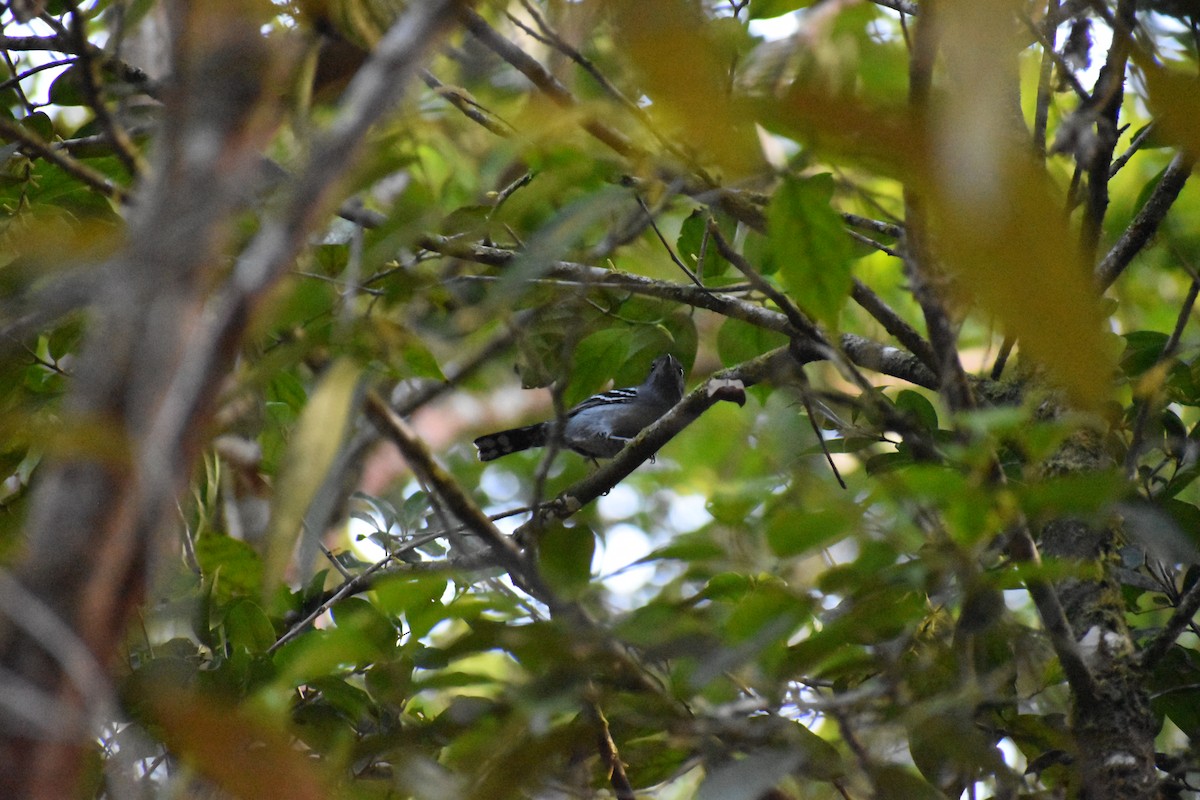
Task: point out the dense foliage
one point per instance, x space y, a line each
925 524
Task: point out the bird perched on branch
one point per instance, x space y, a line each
601 425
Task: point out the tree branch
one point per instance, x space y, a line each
545 82
1054 619
506 554
1146 223
1107 97
162 341
860 350
503 549
906 334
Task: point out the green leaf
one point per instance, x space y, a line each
402 594
390 682
1173 686
597 359
897 783
40 124
234 566
795 531
690 548
247 627
67 89
1143 349
357 614
769 9
750 777
319 653
693 244
352 701
565 557
739 341
919 408
809 244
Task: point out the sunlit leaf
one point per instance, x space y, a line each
767 9
319 434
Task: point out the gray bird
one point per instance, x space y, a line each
601 425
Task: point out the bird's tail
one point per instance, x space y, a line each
499 444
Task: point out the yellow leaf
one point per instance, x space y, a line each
685 73
319 433
1174 98
246 756
998 222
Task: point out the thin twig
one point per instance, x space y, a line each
893 323
503 550
14 131
903 6
880 246
1185 611
1054 619
667 246
810 412
15 81
544 81
1138 140
1006 347
874 225
419 459
346 588
696 185
470 109
1107 97
1064 69
860 350
332 559
799 322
